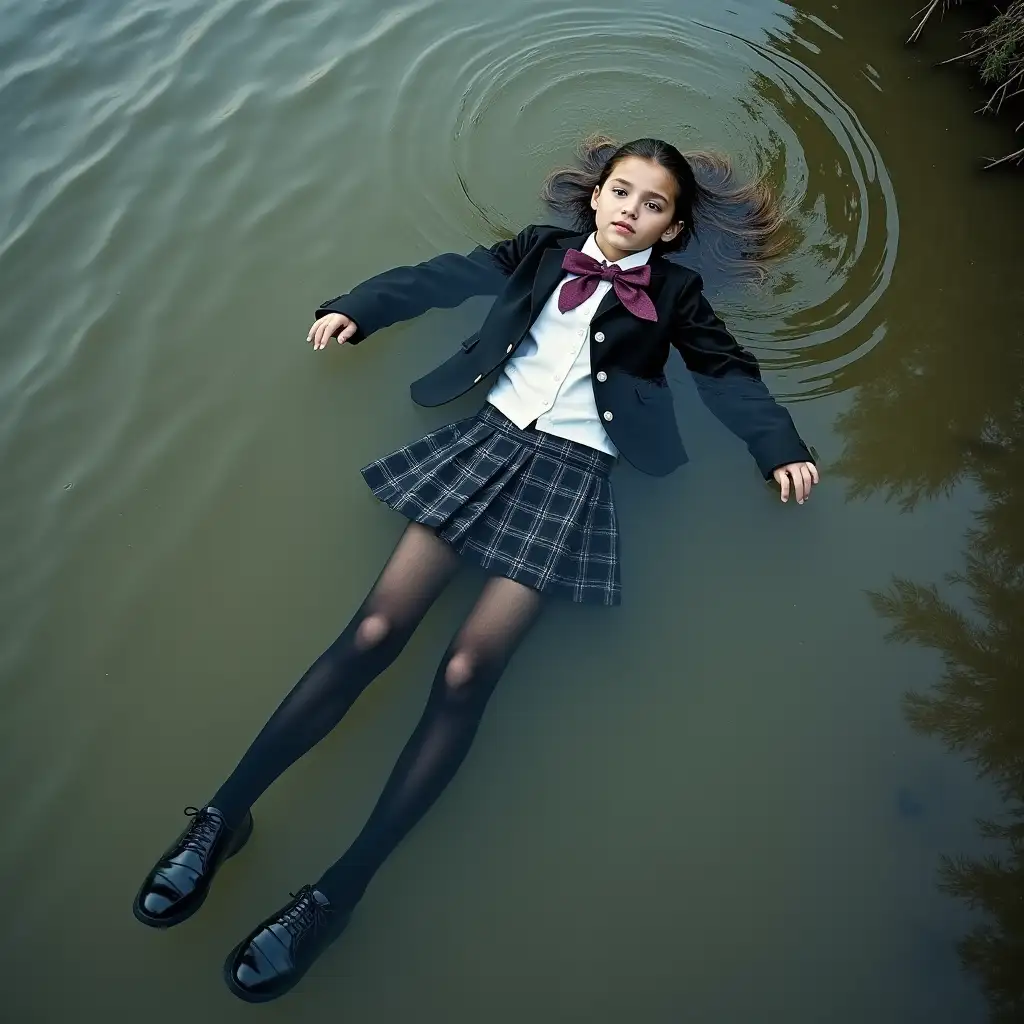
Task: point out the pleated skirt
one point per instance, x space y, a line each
524 504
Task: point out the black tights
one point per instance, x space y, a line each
418 570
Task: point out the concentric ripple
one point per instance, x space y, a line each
508 98
180 176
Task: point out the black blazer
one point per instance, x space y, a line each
632 393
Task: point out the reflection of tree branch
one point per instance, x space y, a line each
977 708
938 401
968 418
994 951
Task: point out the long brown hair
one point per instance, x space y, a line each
745 216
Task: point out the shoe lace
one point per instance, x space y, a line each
305 914
204 829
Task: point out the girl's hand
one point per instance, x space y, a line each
804 475
327 326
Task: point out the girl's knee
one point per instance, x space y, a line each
371 631
459 670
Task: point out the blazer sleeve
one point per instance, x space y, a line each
442 282
729 383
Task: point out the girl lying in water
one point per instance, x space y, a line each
577 341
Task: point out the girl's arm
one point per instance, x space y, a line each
442 282
729 383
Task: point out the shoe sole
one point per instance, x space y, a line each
184 915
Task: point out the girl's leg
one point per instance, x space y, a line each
465 679
279 951
418 570
415 574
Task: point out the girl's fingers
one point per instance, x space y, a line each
805 472
814 471
329 326
324 329
803 484
783 478
798 483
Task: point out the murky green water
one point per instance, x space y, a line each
717 804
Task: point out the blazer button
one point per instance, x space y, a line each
599 337
608 416
509 349
479 378
602 376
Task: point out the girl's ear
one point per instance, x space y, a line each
671 231
593 197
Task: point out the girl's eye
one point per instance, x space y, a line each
655 207
619 191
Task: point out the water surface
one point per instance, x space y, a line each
714 804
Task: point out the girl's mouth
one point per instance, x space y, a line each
621 225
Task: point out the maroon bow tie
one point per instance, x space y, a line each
629 285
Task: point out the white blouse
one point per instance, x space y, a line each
549 377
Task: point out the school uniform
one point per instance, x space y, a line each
522 487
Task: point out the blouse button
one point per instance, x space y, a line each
602 376
599 337
608 416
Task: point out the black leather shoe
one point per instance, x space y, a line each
275 956
176 887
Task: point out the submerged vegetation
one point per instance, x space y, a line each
997 50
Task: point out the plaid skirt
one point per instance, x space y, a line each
530 506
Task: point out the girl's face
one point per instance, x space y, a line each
635 208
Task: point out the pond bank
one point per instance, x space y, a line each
996 49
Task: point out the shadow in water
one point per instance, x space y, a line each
936 402
977 707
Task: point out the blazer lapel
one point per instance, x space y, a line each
549 273
607 304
